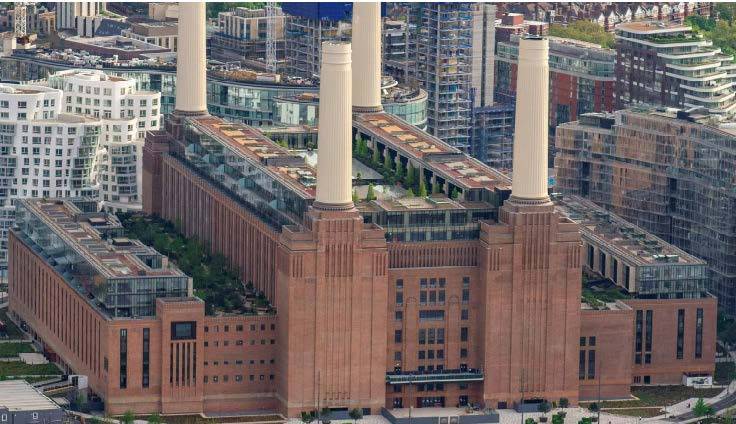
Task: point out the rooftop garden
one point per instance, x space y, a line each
722 31
586 31
215 281
597 291
394 173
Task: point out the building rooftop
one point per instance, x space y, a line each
284 165
631 241
19 396
447 161
83 232
404 204
652 27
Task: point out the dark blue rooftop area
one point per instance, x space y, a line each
329 10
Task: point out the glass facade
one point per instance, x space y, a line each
672 177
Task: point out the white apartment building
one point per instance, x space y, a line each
126 114
43 152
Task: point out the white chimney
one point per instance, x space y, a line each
532 120
334 164
367 57
191 62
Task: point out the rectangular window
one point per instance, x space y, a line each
440 336
422 336
581 366
399 298
699 333
591 256
146 356
463 334
680 333
183 330
591 364
648 337
639 330
397 336
432 315
123 358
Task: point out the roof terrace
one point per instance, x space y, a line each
629 240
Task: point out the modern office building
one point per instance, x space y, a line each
670 172
159 33
307 26
126 114
670 64
45 153
80 17
470 294
242 34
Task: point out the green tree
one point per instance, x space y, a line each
422 188
455 193
387 160
355 196
544 408
399 170
128 417
583 30
375 159
154 418
701 409
529 421
593 407
410 193
355 414
370 195
564 402
558 419
307 417
410 175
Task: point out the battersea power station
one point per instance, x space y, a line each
447 284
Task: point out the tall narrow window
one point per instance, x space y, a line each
680 333
591 364
581 369
699 333
146 356
639 330
123 358
648 339
602 259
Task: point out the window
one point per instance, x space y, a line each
399 284
183 330
680 333
591 364
699 333
399 315
34 415
591 341
639 330
581 366
123 358
422 336
397 336
146 356
463 334
464 314
399 298
432 315
4 417
582 341
648 336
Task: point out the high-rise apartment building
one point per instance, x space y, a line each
669 64
306 27
243 31
665 172
81 17
45 152
582 78
443 62
468 295
126 114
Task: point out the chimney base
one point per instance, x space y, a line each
333 207
518 201
367 109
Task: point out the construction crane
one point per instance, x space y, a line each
271 36
20 17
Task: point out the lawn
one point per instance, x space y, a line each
635 412
658 396
11 350
19 368
13 332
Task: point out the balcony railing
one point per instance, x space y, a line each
410 377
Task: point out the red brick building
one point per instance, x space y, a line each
469 295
